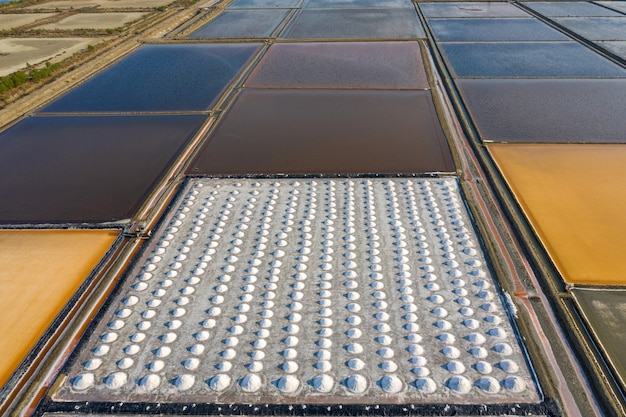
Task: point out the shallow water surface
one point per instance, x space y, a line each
160 78
471 9
549 111
322 4
40 270
379 65
242 24
372 23
527 59
327 132
573 8
574 198
86 168
509 29
605 311
596 28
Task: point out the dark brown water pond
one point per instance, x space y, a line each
87 168
379 65
333 132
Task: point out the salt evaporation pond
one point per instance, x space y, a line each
300 291
323 131
86 168
160 78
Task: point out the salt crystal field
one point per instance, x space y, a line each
253 290
317 207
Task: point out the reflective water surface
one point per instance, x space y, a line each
381 65
574 198
314 131
472 9
160 78
605 311
242 24
87 168
509 29
552 110
574 8
527 59
355 24
596 28
40 270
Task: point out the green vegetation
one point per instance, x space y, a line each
11 3
184 3
36 75
13 80
16 2
19 78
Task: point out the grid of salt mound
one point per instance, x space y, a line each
306 291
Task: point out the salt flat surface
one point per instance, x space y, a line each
14 20
305 291
17 52
93 21
104 4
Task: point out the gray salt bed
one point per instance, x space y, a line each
265 4
596 28
160 78
577 8
527 59
366 291
364 65
615 5
471 9
605 313
509 29
547 111
323 4
617 47
86 169
392 23
327 132
242 24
